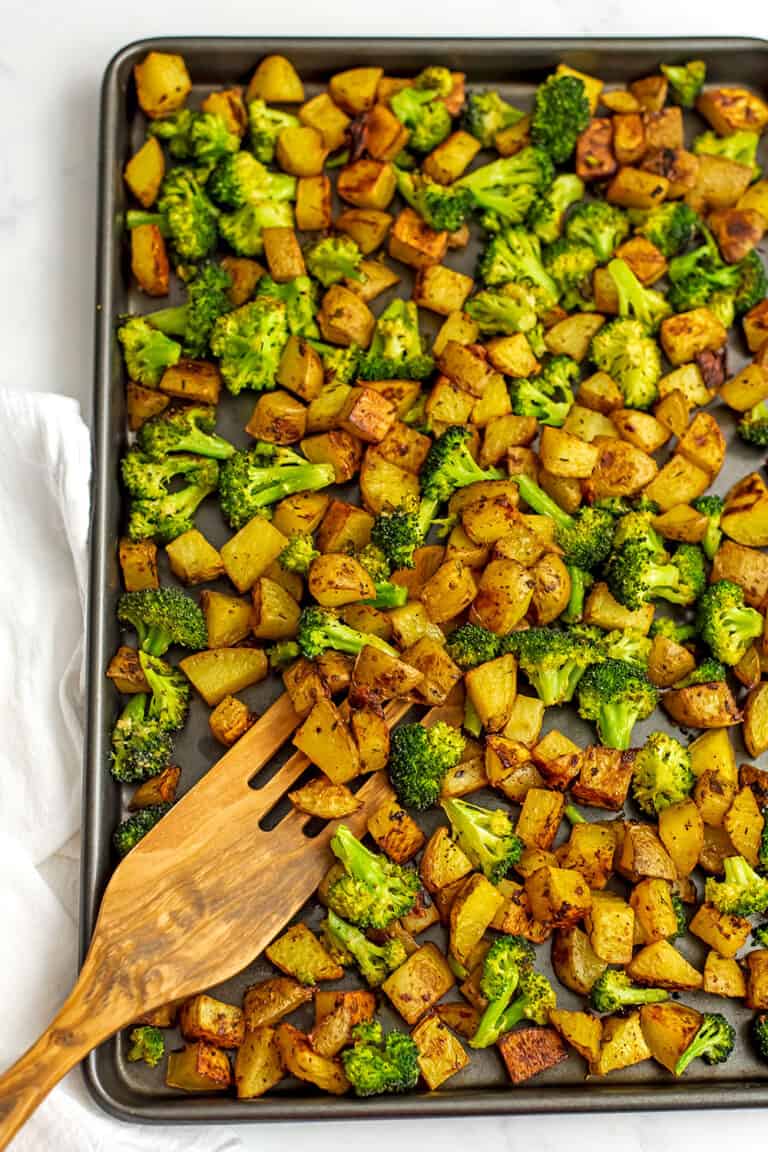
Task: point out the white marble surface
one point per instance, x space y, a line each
52 56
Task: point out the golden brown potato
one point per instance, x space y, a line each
723 977
224 672
622 1046
230 720
628 137
414 243
441 289
336 1014
668 1030
368 227
138 563
199 1067
268 1002
605 612
634 188
449 591
355 89
204 1018
678 166
595 159
679 481
145 170
313 202
492 687
733 110
126 673
621 470
574 962
259 1064
745 516
301 1060
443 862
419 983
682 523
757 978
681 830
688 333
737 231
604 778
540 817
725 933
651 900
149 260
196 380
472 911
141 404
528 1051
276 81
640 853
162 83
747 388
327 118
248 553
300 151
449 160
194 560
589 850
703 443
325 738
558 896
702 706
344 318
396 833
299 953
319 797
720 183
661 966
503 596
367 184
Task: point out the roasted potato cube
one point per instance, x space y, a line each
367 184
574 962
300 151
610 925
504 594
540 818
621 470
757 978
723 977
443 862
336 1014
720 183
465 367
441 289
440 1053
650 92
366 226
205 1018
283 254
589 850
299 953
138 562
703 706
228 618
325 738
355 89
230 720
668 1030
737 231
579 1029
276 81
326 118
199 1067
144 172
681 830
192 559
449 591
528 1051
472 911
725 933
223 672
600 393
604 778
141 404
594 150
248 553
679 481
319 797
301 1060
126 673
688 333
677 165
344 318
459 327
605 612
668 662
271 1000
628 137
744 821
688 381
149 260
414 243
634 188
641 429
558 896
162 83
733 110
566 455
661 966
492 688
367 414
338 448
196 380
703 443
396 833
313 203
384 135
419 983
745 516
640 853
228 104
651 900
258 1064
622 1046
746 389
449 160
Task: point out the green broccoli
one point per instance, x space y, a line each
398 532
685 81
548 395
635 574
375 961
753 426
628 644
571 265
471 644
662 774
670 227
636 302
147 352
699 275
147 1044
184 213
613 991
636 527
240 179
725 623
319 629
514 256
339 364
572 815
258 477
741 147
140 747
581 582
174 131
505 962
510 309
711 507
741 893
200 136
373 890
243 229
682 920
599 225
135 828
666 626
560 113
707 672
189 429
631 357
300 299
450 465
155 513
424 114
553 660
282 654
547 214
615 695
388 595
419 759
333 259
265 125
443 207
161 617
585 537
375 1066
508 187
487 836
249 342
396 351
486 114
535 1000
759 1030
298 554
207 299
713 1042
169 700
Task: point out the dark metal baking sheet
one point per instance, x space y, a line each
133 1092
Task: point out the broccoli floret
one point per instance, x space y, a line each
396 351
670 227
510 309
682 920
450 465
613 991
156 513
581 582
505 962
514 256
637 528
553 660
319 629
508 187
547 214
636 302
629 645
760 934
255 478
161 617
666 626
140 747
753 426
298 554
169 702
486 836
241 179
631 357
740 147
443 207
398 532
712 508
741 893
759 1031
188 429
207 299
599 225
374 1068
339 364
265 126
184 213
388 595
300 299
635 574
709 671
147 352
662 774
243 229
585 537
375 961
723 306
701 274
424 115
419 759
333 259
471 644
725 623
200 136
486 114
174 131
135 828
249 342
615 695
571 265
713 1042
753 283
282 654
147 1044
535 1000
685 81
560 113
547 396
373 890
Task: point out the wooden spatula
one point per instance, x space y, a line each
194 902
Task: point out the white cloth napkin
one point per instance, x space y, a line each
44 519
